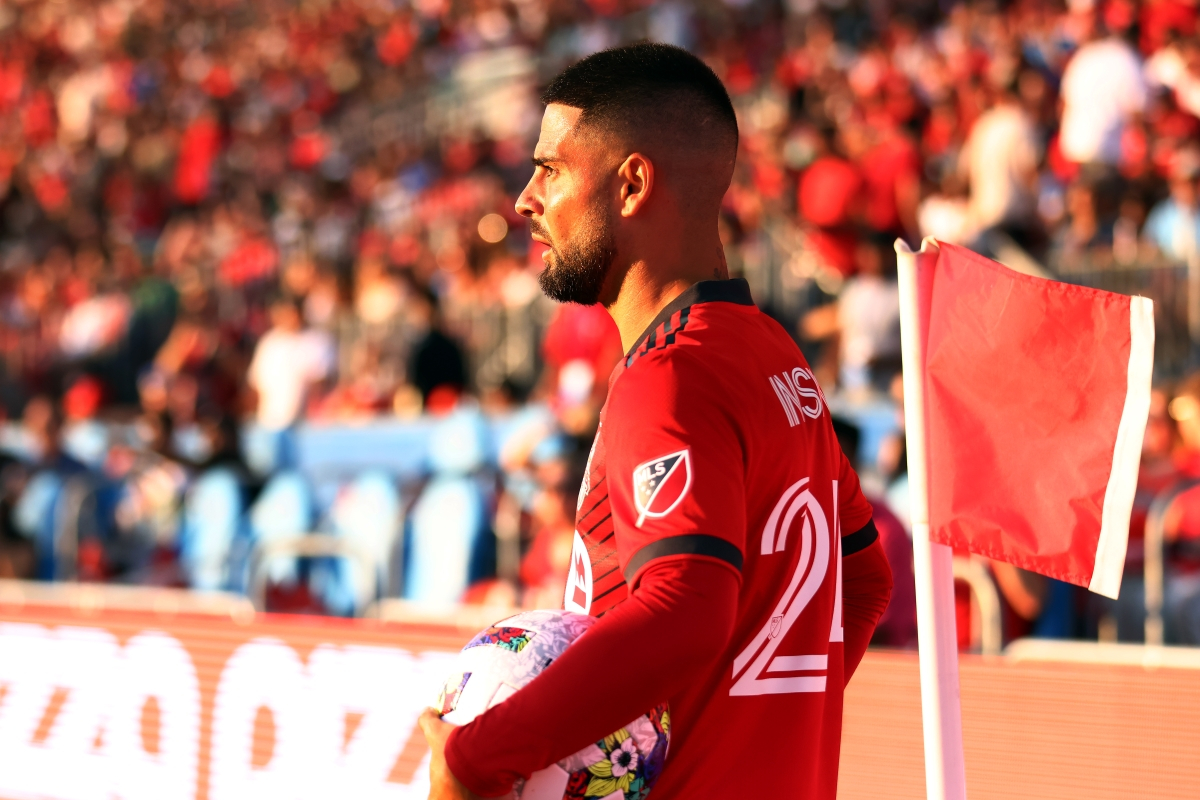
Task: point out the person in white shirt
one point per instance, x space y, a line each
868 312
1102 88
288 362
1000 162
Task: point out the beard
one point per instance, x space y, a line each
577 271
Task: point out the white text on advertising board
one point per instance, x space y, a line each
74 705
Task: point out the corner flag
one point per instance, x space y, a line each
1025 405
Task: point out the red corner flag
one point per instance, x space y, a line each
1036 398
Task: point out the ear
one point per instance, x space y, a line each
636 182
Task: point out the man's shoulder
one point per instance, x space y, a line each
713 357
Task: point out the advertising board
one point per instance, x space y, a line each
98 703
142 707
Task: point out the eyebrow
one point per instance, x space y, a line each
541 162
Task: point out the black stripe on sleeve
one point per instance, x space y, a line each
692 544
861 539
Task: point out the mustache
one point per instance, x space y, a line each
536 227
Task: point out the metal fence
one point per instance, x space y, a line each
1172 287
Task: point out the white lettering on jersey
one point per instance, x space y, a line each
757 670
578 595
836 634
798 400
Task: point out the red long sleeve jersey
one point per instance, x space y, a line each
716 443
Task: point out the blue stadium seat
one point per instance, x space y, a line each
449 540
367 515
54 511
458 444
448 526
284 510
268 451
87 442
212 518
35 516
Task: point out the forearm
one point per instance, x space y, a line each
677 620
866 589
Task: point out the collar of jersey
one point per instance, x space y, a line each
735 290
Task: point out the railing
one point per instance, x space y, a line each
1154 569
985 600
310 545
986 631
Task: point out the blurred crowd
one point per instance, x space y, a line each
224 218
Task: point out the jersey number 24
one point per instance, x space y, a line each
757 669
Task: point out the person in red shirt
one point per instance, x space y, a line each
721 536
828 197
891 171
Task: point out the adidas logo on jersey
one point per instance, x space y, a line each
798 398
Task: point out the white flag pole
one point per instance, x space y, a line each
945 772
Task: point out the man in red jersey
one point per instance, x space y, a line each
721 535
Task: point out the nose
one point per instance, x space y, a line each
528 205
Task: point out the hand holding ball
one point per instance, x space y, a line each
503 659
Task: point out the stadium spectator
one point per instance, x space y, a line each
1181 526
289 362
1103 90
438 366
1173 225
549 555
828 198
891 169
166 169
43 430
1000 162
868 314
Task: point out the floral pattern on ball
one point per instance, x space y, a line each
628 761
512 639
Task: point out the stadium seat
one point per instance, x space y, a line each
87 441
212 518
367 515
35 516
283 511
458 444
267 451
449 543
54 511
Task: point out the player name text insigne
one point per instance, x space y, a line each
660 484
798 398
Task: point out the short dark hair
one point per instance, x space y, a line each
631 87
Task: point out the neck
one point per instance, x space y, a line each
651 283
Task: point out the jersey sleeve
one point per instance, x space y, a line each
676 466
853 508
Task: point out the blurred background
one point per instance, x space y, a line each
269 324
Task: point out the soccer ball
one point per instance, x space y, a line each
502 659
